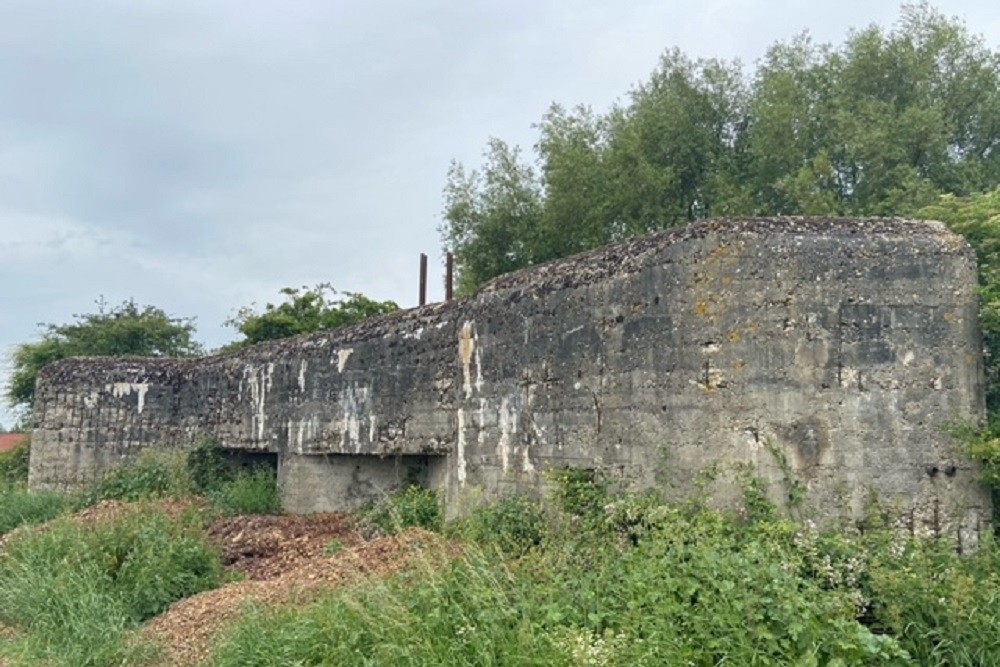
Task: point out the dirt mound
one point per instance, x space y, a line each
281 559
263 547
186 630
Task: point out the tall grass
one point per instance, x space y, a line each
253 491
78 588
202 470
19 507
631 581
465 612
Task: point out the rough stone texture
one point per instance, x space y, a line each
831 353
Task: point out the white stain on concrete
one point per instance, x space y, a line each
527 465
301 432
354 403
258 381
481 424
120 389
302 375
479 370
342 356
91 399
467 339
508 427
908 357
849 377
460 464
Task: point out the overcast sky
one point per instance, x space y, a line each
199 155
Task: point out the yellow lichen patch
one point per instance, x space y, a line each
701 308
950 317
735 336
739 364
720 252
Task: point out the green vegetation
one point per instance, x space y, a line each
691 586
14 466
19 507
78 588
231 489
977 218
304 311
414 507
882 124
512 526
595 579
124 330
253 491
151 476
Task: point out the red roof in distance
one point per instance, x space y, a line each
9 441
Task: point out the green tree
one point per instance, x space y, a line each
127 329
304 311
881 125
492 217
977 217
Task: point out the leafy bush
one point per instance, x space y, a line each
151 476
942 608
580 492
699 588
207 466
14 466
513 525
77 588
412 507
230 489
252 491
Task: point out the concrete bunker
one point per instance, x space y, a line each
834 351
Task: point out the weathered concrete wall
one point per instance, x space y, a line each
841 348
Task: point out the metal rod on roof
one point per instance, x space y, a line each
423 279
449 277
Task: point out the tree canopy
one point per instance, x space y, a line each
977 217
303 311
127 329
881 125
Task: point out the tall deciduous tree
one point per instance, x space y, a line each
492 216
114 331
881 125
304 311
977 217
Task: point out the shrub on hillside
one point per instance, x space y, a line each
415 506
698 588
513 525
253 491
206 464
153 475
